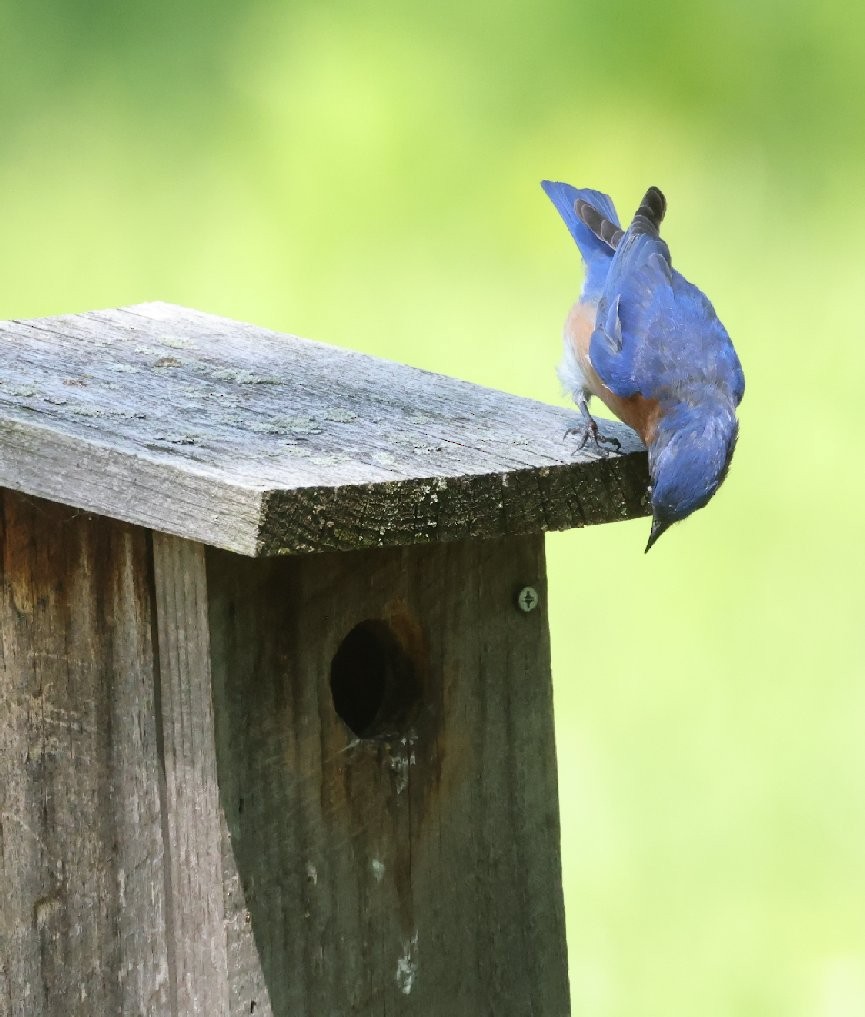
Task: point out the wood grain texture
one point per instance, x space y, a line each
415 874
187 827
191 807
267 444
82 906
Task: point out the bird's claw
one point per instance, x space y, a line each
588 429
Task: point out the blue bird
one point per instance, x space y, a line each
649 345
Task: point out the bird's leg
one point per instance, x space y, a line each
586 428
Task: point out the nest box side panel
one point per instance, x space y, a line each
82 904
387 774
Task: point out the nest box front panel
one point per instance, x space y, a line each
386 766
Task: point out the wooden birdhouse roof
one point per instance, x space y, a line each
264 443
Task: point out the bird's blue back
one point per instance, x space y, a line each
657 335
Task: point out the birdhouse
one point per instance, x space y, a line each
276 730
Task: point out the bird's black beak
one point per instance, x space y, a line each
657 529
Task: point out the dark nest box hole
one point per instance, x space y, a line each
374 682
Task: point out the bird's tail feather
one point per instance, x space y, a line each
603 229
565 198
650 214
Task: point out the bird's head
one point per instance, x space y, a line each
689 459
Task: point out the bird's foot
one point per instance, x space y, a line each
585 428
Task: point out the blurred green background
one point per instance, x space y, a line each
367 174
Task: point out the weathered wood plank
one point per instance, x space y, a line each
192 811
82 904
263 443
413 874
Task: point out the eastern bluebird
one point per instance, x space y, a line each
649 345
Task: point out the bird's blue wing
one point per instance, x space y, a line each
634 313
597 254
655 331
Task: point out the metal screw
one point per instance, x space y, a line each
528 599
